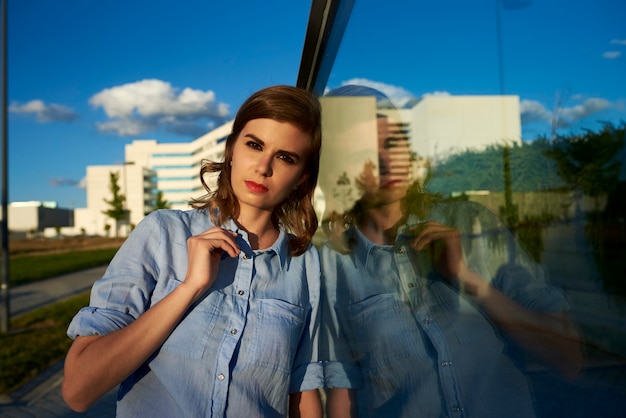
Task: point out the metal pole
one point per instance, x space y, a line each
4 276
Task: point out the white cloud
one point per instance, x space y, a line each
128 126
63 182
151 104
398 95
437 93
611 54
568 115
618 41
534 111
45 112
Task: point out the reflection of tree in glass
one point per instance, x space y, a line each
342 192
587 162
590 165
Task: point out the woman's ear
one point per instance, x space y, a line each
302 179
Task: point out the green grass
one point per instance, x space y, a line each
31 268
37 340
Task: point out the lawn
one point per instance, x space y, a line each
29 268
36 341
38 338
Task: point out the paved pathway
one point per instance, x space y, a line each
41 397
34 295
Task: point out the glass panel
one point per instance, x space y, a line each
473 204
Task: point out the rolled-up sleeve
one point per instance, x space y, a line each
124 292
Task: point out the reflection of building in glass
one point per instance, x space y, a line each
439 126
435 126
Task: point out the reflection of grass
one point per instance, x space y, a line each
37 341
26 269
608 240
530 234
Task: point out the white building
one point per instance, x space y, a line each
136 184
177 165
149 167
28 218
441 125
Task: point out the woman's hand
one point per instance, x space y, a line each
443 245
204 255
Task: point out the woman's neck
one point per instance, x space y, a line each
262 233
380 224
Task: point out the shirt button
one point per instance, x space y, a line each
233 331
457 409
401 250
411 285
427 321
220 377
241 293
246 256
446 363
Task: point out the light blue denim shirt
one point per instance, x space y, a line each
409 342
239 351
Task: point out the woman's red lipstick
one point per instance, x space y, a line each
255 187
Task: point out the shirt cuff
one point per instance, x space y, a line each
307 377
341 375
97 321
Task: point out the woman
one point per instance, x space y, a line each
214 311
427 312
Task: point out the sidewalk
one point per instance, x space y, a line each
41 397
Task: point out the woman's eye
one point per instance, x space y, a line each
389 143
254 145
286 158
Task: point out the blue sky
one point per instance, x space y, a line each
87 77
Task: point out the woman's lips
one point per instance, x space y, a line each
255 187
391 184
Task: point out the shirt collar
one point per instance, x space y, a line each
362 246
280 247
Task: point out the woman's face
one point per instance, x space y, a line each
394 165
268 162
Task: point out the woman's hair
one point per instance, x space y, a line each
296 214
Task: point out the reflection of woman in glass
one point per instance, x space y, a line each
424 315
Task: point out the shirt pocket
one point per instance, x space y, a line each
383 331
277 334
191 335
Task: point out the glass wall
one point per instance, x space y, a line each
473 238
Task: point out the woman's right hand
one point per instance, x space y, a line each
204 254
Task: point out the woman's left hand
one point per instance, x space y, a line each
443 245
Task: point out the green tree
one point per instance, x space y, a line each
588 162
160 202
117 212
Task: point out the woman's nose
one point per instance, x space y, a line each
383 163
264 166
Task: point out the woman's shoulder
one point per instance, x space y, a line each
191 219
